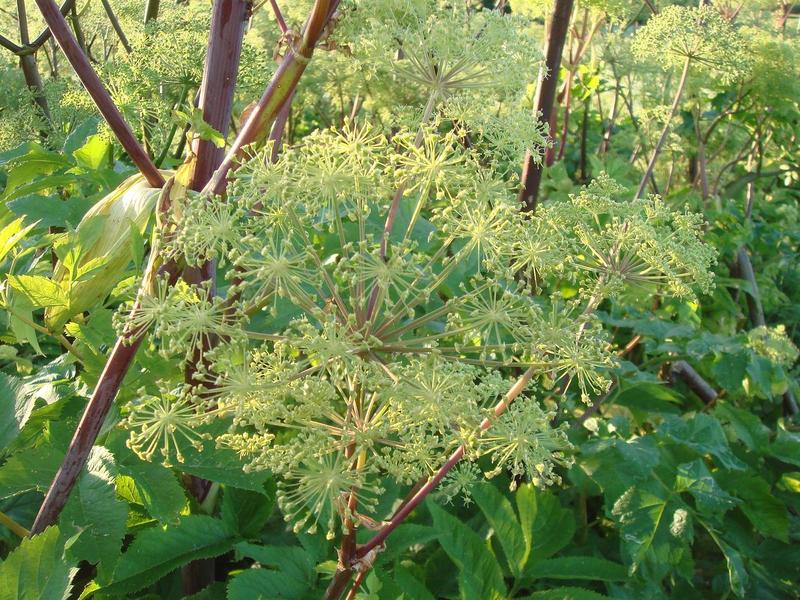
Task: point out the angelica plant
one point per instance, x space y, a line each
686 37
381 286
352 353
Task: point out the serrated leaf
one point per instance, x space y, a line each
221 465
11 234
737 573
703 434
578 567
566 593
246 511
21 308
26 471
93 516
786 447
158 551
162 495
413 588
39 291
656 528
15 408
766 512
695 478
293 563
553 527
479 575
264 584
36 570
94 153
501 516
742 425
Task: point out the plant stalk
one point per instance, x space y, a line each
665 131
545 97
101 97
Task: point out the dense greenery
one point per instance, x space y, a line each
363 367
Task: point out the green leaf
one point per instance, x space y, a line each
290 575
203 130
553 527
36 163
40 291
656 528
616 464
479 575
743 426
703 434
11 234
22 330
527 507
566 593
737 573
26 471
158 551
264 584
786 447
15 408
48 211
413 588
646 400
246 511
405 536
501 516
93 154
221 465
766 512
36 570
93 517
695 478
578 567
158 488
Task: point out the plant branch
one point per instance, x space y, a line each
379 538
665 131
117 27
39 41
91 422
545 98
101 97
281 86
13 526
686 373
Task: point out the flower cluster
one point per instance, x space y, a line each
699 34
383 284
773 343
352 350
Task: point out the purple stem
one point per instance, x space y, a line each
80 63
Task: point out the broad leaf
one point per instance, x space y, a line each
553 527
94 518
246 511
36 570
656 528
766 512
479 575
291 572
566 593
500 515
703 434
695 478
578 567
158 551
39 291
